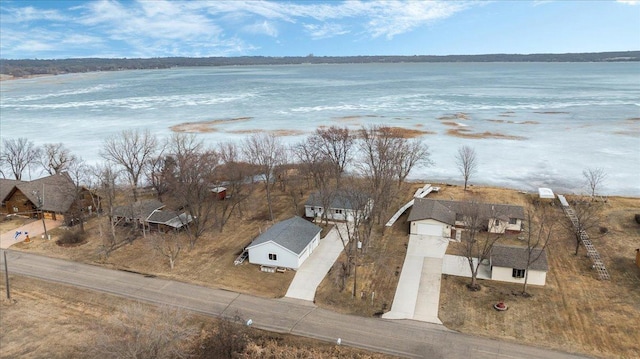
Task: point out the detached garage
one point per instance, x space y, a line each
286 244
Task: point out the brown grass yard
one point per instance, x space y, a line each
573 312
49 320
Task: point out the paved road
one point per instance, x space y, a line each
311 273
398 337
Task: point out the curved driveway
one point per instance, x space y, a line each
398 337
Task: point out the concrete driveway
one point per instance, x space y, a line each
34 229
418 293
459 266
315 268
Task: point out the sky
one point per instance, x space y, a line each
158 28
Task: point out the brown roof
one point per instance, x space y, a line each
6 185
516 257
445 211
57 192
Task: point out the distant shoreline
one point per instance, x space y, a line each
28 67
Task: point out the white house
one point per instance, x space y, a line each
342 206
509 263
445 218
286 244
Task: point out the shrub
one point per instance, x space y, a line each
638 218
604 230
70 238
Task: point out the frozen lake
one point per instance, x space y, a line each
532 124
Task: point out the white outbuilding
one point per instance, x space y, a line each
286 244
509 264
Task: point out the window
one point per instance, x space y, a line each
513 221
338 211
273 257
15 209
497 223
517 273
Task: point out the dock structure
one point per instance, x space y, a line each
592 253
420 193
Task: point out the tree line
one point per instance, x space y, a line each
28 67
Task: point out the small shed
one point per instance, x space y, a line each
219 192
509 264
286 244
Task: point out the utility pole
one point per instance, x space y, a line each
6 275
40 205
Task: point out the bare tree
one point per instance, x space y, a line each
313 163
167 245
477 239
538 236
335 144
233 173
411 153
143 332
103 182
594 178
78 172
132 150
266 152
56 158
191 185
379 164
229 339
19 154
587 216
467 163
357 228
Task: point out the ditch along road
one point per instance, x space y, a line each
404 338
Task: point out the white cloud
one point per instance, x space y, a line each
629 2
325 30
30 14
263 28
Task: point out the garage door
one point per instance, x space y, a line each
430 229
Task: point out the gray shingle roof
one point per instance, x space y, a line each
339 200
169 218
516 257
294 234
445 211
138 210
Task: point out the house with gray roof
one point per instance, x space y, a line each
509 264
287 244
337 205
166 220
444 218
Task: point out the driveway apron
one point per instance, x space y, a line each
418 293
311 273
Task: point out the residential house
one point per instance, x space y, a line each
509 264
343 206
286 244
54 197
446 218
166 220
136 213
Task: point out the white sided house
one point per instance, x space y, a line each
509 264
286 244
341 206
445 218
